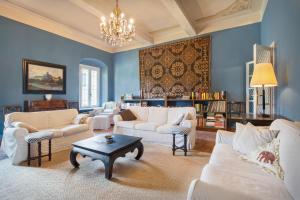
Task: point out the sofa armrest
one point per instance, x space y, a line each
14 144
224 137
188 123
192 192
117 118
89 121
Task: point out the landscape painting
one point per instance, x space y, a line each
43 78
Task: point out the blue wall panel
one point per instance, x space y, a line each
231 49
281 23
126 73
18 41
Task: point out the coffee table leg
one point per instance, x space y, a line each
73 160
140 148
108 164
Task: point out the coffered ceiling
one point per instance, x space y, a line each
157 21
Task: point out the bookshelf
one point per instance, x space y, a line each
211 113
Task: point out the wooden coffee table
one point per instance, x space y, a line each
98 149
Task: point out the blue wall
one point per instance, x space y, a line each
281 23
231 49
18 41
126 73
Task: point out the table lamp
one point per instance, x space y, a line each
263 76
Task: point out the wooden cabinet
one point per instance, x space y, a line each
43 105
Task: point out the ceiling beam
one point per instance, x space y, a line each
140 35
176 9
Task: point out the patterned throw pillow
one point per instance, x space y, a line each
267 157
80 119
31 129
127 115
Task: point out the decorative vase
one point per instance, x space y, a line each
48 97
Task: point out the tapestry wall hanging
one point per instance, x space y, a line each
175 69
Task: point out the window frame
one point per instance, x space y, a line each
90 69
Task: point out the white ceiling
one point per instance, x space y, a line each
156 21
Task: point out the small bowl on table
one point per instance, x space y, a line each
109 139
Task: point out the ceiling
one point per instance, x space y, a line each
157 21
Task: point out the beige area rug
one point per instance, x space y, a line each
158 175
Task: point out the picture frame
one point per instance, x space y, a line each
43 78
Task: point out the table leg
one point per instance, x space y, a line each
39 154
185 144
108 164
28 155
173 146
73 160
50 153
140 148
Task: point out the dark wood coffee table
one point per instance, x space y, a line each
98 149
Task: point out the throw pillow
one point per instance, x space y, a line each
267 157
31 129
252 137
187 116
127 115
238 131
80 119
178 120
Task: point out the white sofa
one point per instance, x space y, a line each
58 122
227 177
153 124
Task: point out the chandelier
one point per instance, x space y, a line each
117 31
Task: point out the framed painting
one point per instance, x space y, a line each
43 78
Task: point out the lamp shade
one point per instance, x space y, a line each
263 75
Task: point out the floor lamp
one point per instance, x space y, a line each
263 76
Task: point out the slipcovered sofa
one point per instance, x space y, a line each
59 122
228 177
154 124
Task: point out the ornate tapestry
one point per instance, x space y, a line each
175 69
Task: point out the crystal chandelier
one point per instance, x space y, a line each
117 31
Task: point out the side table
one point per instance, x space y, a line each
38 137
182 131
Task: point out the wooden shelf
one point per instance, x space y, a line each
209 129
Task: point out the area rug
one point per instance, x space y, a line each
158 175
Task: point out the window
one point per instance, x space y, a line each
89 86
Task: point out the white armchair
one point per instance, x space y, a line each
109 109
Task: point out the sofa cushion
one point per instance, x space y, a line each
289 150
127 124
73 129
158 115
37 119
226 158
146 126
58 118
140 112
127 115
239 184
